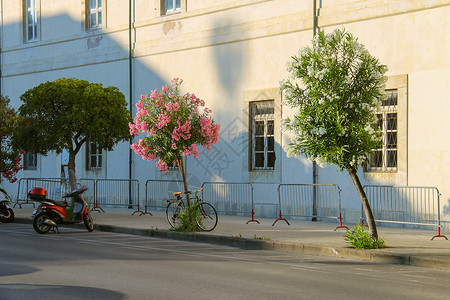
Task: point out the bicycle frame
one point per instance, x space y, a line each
207 219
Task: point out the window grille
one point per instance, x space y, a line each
384 157
95 14
262 135
94 156
171 6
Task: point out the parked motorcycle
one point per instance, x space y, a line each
50 213
6 212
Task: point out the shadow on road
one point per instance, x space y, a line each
38 291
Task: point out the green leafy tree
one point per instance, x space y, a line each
9 156
335 84
67 112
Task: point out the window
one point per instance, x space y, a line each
94 157
384 158
262 135
95 14
31 21
171 6
30 161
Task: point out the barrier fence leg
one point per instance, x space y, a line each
253 218
439 234
138 210
97 208
24 202
340 223
280 218
145 212
362 223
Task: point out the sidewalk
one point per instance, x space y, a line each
405 246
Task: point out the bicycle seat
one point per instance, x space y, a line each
177 193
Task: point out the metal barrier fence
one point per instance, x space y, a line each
298 200
413 205
56 189
116 192
390 204
157 192
229 197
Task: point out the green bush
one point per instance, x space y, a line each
188 219
361 239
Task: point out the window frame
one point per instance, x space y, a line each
244 140
175 6
176 10
399 177
27 158
97 10
96 156
34 7
268 126
388 131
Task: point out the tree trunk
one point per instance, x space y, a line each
183 176
365 203
72 175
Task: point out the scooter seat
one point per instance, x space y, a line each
60 203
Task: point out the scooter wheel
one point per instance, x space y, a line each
88 222
7 216
39 223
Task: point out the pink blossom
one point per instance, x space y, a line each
163 120
172 106
167 112
141 149
182 131
176 81
162 166
144 126
159 102
133 130
153 94
140 105
142 112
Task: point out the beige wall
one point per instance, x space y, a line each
224 49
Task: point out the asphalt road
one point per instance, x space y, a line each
77 264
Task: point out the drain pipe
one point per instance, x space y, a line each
1 79
1 44
130 76
315 28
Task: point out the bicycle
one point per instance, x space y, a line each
175 207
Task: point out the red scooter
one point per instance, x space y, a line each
6 212
50 213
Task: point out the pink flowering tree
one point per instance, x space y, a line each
10 161
175 125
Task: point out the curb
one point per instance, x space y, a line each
375 255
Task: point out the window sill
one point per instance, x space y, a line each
171 13
380 171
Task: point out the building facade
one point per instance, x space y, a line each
233 54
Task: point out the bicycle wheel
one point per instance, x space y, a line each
208 217
173 211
